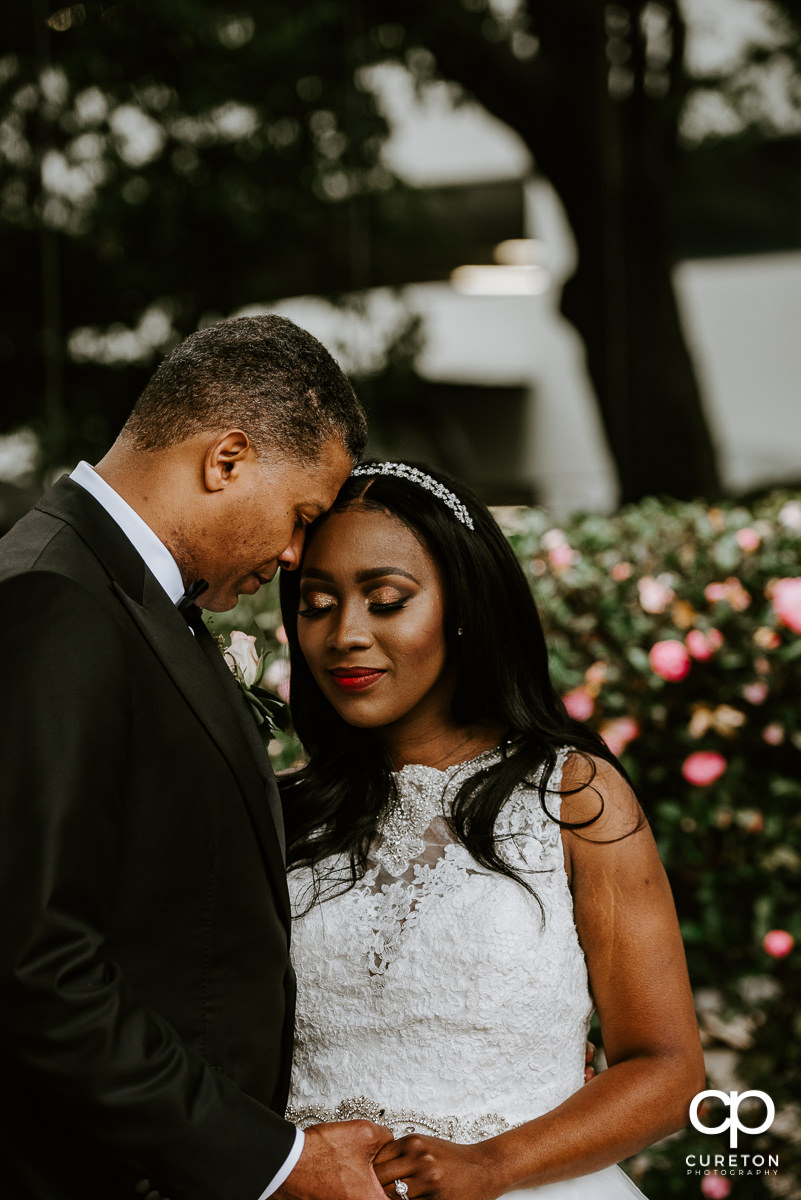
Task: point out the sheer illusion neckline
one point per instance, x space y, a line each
483 758
422 797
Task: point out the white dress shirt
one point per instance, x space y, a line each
156 555
165 569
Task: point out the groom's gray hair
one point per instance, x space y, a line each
264 375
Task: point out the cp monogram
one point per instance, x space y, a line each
733 1100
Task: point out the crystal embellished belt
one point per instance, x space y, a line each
402 1121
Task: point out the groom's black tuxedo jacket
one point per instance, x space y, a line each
145 989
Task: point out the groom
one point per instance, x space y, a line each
146 995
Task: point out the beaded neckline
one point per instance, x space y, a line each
421 797
454 769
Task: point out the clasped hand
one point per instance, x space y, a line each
336 1163
440 1170
435 1169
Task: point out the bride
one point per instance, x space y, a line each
469 869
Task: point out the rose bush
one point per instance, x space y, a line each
612 589
683 622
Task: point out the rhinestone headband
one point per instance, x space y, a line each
415 475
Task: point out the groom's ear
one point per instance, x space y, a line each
227 458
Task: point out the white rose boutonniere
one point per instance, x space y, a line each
243 658
247 666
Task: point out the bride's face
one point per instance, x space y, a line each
371 621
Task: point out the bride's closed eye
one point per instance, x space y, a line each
383 601
387 600
316 603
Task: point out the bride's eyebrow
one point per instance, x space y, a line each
316 573
382 572
361 576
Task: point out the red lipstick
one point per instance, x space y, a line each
355 679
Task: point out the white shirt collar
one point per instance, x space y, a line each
156 555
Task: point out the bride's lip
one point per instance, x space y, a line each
355 679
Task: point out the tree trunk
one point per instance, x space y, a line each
607 142
608 154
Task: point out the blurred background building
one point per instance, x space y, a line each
560 251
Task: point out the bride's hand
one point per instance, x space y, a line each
436 1169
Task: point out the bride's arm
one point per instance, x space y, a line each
627 924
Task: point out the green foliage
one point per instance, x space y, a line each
260 616
163 164
732 848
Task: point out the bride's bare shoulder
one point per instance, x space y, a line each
596 795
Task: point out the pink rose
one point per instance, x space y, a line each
748 540
242 658
655 594
766 638
703 767
276 677
738 597
715 1187
561 557
622 571
579 704
786 599
703 645
773 734
778 943
669 660
756 692
619 732
553 538
790 515
628 728
715 592
595 676
731 591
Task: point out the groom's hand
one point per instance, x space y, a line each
337 1163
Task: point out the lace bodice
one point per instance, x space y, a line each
436 994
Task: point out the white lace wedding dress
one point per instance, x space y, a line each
437 996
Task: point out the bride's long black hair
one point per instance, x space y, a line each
333 805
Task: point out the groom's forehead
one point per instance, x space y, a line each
312 483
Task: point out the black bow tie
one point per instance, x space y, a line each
189 597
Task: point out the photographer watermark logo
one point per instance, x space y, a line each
731 1163
732 1100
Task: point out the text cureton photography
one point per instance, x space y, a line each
734 1163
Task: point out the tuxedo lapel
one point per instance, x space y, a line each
215 702
69 502
231 689
211 694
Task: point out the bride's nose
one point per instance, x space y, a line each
350 629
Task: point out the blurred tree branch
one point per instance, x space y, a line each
199 158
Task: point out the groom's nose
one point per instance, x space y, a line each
289 559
